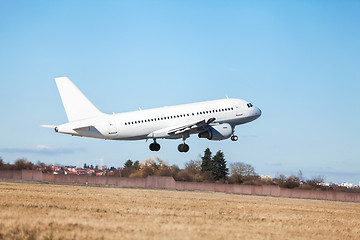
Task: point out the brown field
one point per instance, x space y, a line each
46 211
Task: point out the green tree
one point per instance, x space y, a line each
128 164
219 170
206 161
136 165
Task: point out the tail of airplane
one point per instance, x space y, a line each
77 106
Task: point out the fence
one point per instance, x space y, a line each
169 183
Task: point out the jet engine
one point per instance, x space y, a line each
218 132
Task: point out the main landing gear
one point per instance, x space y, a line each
183 147
234 138
154 146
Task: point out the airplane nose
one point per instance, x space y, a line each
258 111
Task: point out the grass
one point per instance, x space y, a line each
46 211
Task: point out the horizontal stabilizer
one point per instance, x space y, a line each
48 126
83 128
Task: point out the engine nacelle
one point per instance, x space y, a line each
217 132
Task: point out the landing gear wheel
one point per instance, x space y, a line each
234 138
154 147
157 147
151 146
183 147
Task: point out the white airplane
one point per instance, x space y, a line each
214 120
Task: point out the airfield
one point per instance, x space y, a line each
49 211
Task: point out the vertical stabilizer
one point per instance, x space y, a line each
76 105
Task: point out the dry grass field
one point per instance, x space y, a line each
45 211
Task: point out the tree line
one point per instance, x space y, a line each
23 163
210 168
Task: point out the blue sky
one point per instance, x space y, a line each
298 61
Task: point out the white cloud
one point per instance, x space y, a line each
40 149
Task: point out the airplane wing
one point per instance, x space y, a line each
188 127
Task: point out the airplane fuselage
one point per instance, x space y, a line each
145 124
214 120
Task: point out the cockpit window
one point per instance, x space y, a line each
249 105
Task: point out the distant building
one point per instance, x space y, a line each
72 170
325 184
266 177
347 185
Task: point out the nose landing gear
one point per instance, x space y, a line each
234 138
154 146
